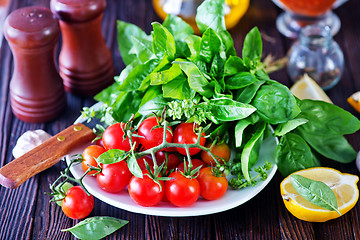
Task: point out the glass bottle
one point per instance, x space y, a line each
318 55
186 9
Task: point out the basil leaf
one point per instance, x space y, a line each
275 103
210 14
217 67
316 192
125 104
112 156
228 43
293 154
177 27
164 42
125 33
284 128
178 89
209 45
193 43
136 77
240 80
96 227
142 48
134 167
234 65
239 131
327 119
245 155
155 105
226 109
196 79
252 48
336 148
247 94
163 77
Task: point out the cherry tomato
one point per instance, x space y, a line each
195 162
211 186
182 191
144 191
184 134
173 160
141 162
221 150
113 138
77 204
152 136
114 177
89 157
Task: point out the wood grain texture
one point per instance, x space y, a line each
25 213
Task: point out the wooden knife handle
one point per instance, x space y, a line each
45 155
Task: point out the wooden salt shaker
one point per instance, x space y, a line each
36 89
85 62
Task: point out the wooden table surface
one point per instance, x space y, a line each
25 213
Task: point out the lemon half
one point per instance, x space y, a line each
343 185
307 88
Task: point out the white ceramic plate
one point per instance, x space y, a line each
231 199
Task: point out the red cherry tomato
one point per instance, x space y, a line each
144 191
114 177
152 137
211 186
184 134
221 150
113 138
141 162
195 162
173 160
182 191
77 204
89 157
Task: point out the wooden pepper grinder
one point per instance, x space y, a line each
85 62
36 89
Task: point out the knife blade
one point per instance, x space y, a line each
45 155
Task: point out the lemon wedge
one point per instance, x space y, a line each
307 88
343 185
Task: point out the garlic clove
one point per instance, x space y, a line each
28 141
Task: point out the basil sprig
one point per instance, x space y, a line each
316 192
96 227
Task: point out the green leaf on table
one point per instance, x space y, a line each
196 79
316 192
284 128
252 48
210 14
293 154
126 31
112 156
275 103
225 109
240 80
163 41
96 227
246 153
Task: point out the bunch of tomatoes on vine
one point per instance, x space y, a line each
154 161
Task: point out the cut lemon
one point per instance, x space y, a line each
343 185
354 101
307 88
